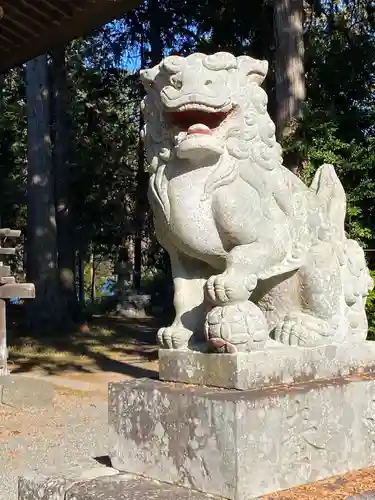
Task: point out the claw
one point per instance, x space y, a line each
304 330
230 286
165 338
174 337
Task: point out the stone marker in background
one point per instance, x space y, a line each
9 289
16 390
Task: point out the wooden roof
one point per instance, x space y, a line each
29 28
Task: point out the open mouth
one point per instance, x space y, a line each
197 121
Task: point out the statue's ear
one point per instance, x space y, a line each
148 76
254 69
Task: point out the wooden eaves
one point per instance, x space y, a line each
29 28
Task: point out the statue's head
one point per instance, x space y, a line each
198 106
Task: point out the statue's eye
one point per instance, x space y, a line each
208 82
176 82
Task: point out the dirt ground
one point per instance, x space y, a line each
335 488
108 347
113 349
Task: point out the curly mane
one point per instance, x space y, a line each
250 151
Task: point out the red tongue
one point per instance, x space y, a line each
186 119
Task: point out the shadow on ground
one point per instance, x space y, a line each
106 344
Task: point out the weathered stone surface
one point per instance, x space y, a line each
244 234
53 482
242 444
369 495
273 366
127 487
20 391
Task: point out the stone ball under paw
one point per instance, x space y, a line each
236 327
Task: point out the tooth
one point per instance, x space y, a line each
198 126
202 107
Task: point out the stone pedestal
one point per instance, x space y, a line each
240 445
275 365
281 418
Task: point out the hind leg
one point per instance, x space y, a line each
320 318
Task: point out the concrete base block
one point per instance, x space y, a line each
127 487
242 444
55 482
20 391
88 482
270 367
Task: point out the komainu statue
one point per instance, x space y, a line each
258 257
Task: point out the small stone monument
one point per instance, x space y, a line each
16 390
268 381
9 289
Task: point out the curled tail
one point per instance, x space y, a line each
332 199
356 279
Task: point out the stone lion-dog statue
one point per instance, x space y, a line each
257 256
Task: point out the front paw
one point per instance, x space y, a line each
174 337
230 286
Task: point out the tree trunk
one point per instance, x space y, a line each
289 64
65 236
92 277
156 42
81 278
140 202
154 13
140 211
45 310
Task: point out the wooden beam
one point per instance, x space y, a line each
21 26
94 14
28 18
48 17
15 34
53 6
8 40
32 7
